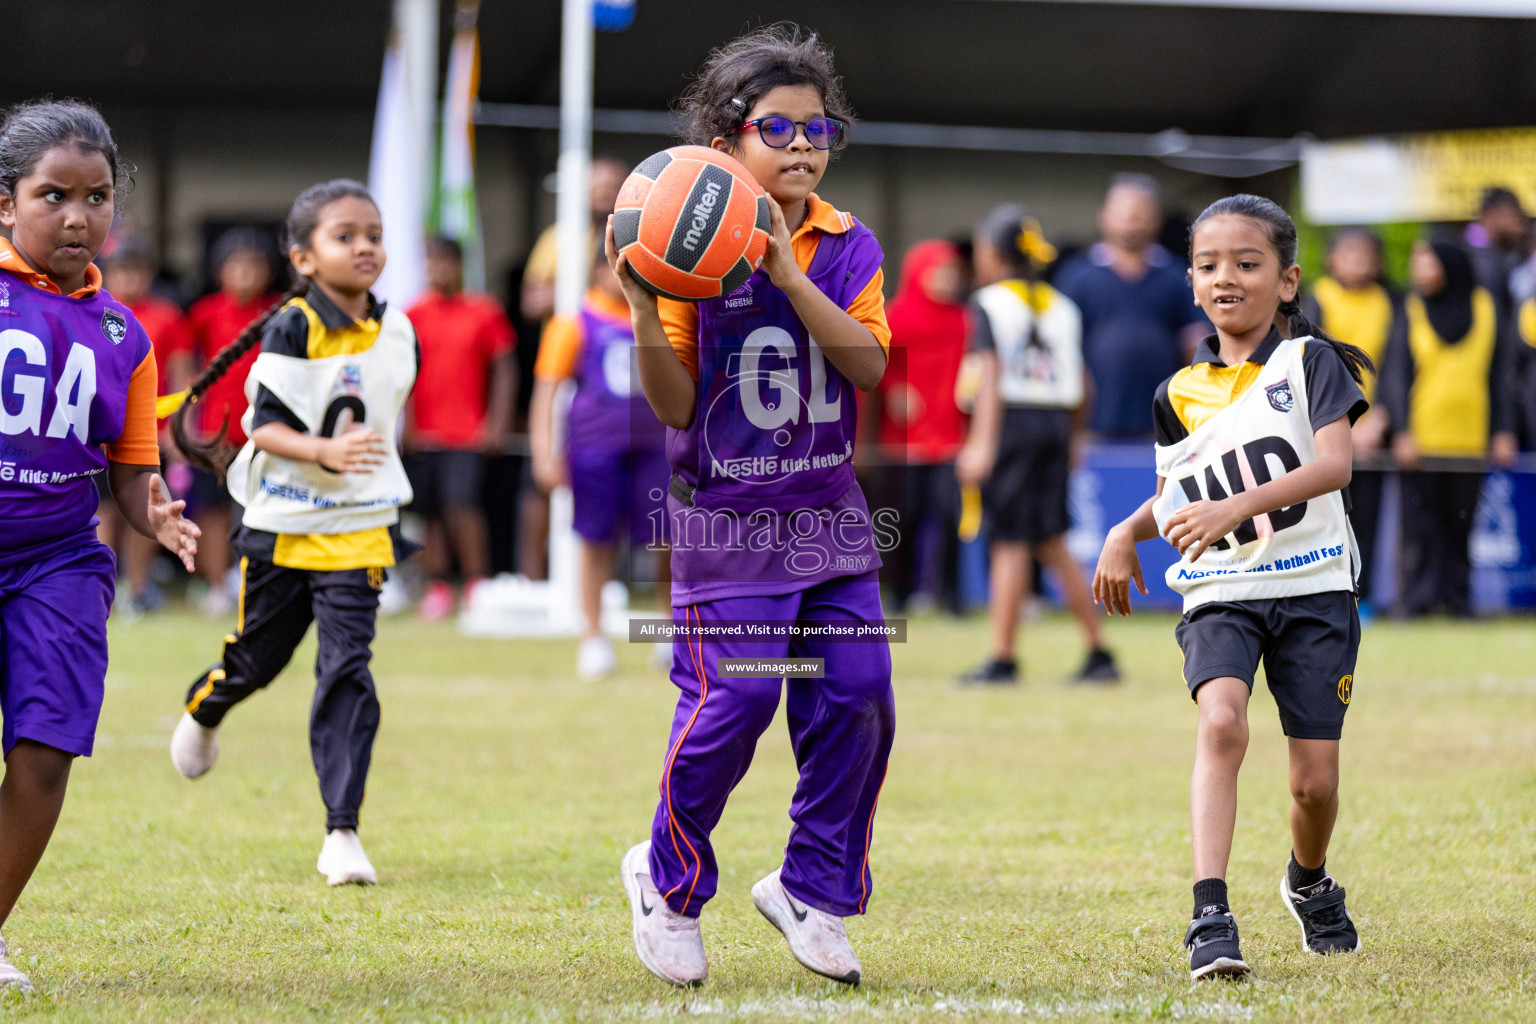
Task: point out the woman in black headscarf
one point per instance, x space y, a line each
1447 387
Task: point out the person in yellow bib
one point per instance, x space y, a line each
1352 304
1525 374
1448 388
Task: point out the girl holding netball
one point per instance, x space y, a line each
1253 458
777 540
79 400
322 484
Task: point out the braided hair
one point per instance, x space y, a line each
217 453
1282 236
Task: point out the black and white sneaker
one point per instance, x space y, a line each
1326 926
1212 944
993 672
1098 670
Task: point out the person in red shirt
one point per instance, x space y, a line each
921 426
460 411
128 274
243 268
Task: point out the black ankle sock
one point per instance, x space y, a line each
1209 893
1300 877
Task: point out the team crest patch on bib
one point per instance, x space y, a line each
114 325
1280 396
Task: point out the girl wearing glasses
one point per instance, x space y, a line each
769 523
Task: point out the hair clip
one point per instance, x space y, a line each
1031 242
739 103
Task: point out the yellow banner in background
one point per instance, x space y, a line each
1431 177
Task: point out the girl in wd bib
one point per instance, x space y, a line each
77 398
1253 458
769 527
321 484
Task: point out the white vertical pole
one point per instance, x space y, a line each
573 217
417 20
573 214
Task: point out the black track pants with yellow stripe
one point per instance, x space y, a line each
277 605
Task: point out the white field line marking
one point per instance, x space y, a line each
803 1007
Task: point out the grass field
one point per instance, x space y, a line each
1031 855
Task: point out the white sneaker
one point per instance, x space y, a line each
194 748
661 657
669 944
218 603
342 860
10 976
816 938
595 659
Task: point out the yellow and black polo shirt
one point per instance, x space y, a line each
1207 386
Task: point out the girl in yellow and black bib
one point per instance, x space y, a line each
1448 387
321 485
1253 465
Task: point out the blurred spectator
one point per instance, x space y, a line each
1021 440
921 426
1140 322
614 457
1447 388
1525 371
1497 243
538 304
128 274
1352 305
608 174
243 270
460 410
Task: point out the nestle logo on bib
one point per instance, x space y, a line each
1280 397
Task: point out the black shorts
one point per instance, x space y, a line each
1308 645
207 492
440 479
1026 497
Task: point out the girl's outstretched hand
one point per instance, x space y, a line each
779 260
1118 566
358 450
639 298
175 532
1198 525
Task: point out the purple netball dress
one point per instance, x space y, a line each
614 442
66 366
769 524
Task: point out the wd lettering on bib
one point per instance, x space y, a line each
1254 458
1307 548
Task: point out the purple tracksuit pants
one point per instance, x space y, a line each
840 726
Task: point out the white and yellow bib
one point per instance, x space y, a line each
1308 548
328 395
